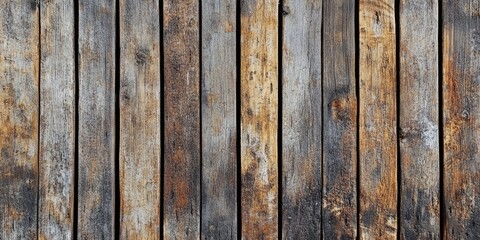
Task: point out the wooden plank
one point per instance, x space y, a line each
219 134
182 119
378 146
377 121
96 123
140 185
302 115
57 120
340 121
259 119
19 89
419 139
461 85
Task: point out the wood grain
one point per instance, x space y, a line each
140 185
57 120
96 119
219 134
19 111
182 119
377 121
419 135
461 118
259 119
302 120
340 121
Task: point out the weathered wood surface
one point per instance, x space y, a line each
259 119
96 119
461 118
418 115
219 126
19 113
140 186
182 119
377 120
57 120
302 115
339 201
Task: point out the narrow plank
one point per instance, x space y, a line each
377 121
140 185
57 120
19 89
419 139
259 119
302 115
461 109
340 121
182 120
219 134
96 123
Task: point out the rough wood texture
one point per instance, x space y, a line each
19 89
377 121
461 79
140 98
419 136
96 110
259 119
302 115
340 121
182 119
57 120
219 134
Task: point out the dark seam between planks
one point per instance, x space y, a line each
280 119
75 178
38 110
322 117
440 118
398 68
238 117
162 120
117 122
357 93
200 73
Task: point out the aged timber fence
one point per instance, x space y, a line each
227 119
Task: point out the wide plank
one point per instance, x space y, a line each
96 119
377 120
302 120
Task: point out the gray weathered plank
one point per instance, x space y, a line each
340 120
19 89
219 134
96 119
419 139
140 98
377 120
302 115
461 109
182 119
57 120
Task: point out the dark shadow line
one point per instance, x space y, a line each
440 121
200 115
238 117
117 214
77 90
39 112
162 121
399 163
357 93
280 119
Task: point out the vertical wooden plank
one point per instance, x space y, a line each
57 120
96 112
461 79
19 62
340 121
219 134
419 139
377 121
139 119
182 119
259 119
302 115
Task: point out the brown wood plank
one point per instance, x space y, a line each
340 121
57 120
19 110
461 85
219 134
140 98
259 119
96 113
419 136
182 119
377 121
302 115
